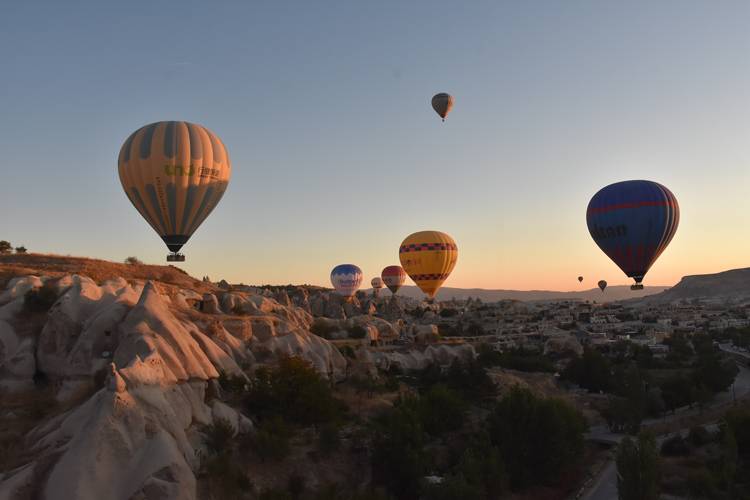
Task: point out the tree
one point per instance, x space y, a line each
638 468
538 438
591 371
5 247
21 249
133 261
294 391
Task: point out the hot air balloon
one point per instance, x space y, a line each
346 279
376 284
580 279
393 277
442 103
428 257
602 285
174 173
633 222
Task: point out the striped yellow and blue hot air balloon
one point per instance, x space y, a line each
428 257
174 173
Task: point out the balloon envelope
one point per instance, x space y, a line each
602 285
393 277
442 103
346 279
174 173
376 283
580 279
428 257
633 222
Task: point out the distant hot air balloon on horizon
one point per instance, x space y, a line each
442 103
428 257
346 279
580 279
393 277
376 283
602 285
174 173
633 222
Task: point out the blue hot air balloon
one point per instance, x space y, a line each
346 279
633 222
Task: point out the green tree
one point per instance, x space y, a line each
294 391
5 247
21 249
591 371
729 457
638 468
538 438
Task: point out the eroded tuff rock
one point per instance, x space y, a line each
155 349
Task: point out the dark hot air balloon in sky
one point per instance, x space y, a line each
442 103
602 285
580 279
633 222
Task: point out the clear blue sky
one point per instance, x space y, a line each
337 155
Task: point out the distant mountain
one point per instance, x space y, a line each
612 293
734 283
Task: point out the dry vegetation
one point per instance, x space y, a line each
98 270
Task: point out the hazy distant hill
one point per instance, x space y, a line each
732 283
612 293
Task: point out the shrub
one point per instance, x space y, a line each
448 312
219 436
5 247
272 440
328 439
294 391
21 249
232 383
701 484
357 332
322 328
133 261
537 437
675 446
700 436
40 300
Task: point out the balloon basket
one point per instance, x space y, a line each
637 286
175 257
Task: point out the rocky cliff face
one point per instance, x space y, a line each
144 353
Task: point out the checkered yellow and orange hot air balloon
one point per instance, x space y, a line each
174 173
428 257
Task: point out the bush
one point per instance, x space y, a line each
21 250
700 436
40 300
322 328
219 436
5 247
357 332
701 483
133 261
537 437
234 384
226 478
328 439
448 312
271 442
294 391
675 446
